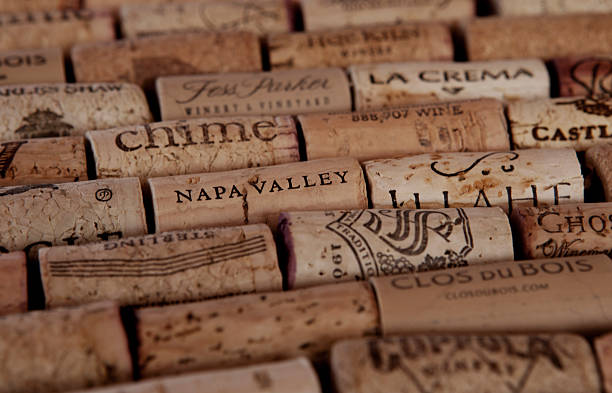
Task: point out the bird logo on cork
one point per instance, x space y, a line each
595 77
43 124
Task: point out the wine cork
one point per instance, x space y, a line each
260 17
42 161
53 29
116 4
32 66
142 60
159 269
600 159
560 363
329 14
584 76
296 375
252 328
63 350
477 125
14 283
203 145
51 110
560 123
550 7
71 213
9 6
505 179
564 231
258 195
266 93
546 295
545 37
334 246
603 350
363 45
389 85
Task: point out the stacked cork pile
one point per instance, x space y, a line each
305 196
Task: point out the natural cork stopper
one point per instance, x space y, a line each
71 213
335 246
14 285
505 179
253 328
603 349
52 110
599 158
32 66
7 6
550 7
63 350
478 125
258 195
361 45
166 268
584 76
560 363
195 146
116 4
142 60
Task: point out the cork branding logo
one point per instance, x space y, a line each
42 124
11 19
237 15
412 240
595 77
7 154
436 363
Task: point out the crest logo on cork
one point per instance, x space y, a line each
595 77
43 124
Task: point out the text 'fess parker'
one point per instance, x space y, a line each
261 187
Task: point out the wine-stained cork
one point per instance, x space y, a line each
253 328
51 110
158 269
329 14
261 17
7 6
587 76
13 283
546 295
564 231
142 60
334 246
71 213
270 93
545 37
478 125
362 45
32 66
203 145
603 350
257 195
599 158
52 29
550 7
560 363
295 375
42 161
560 123
63 350
505 179
393 84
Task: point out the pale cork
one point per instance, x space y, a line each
550 7
42 161
603 350
564 231
361 45
32 66
260 17
63 350
586 76
142 60
538 296
258 195
334 246
545 37
560 363
9 6
54 29
477 125
394 84
599 158
160 269
114 5
576 123
14 283
505 179
296 375
329 14
253 328
52 110
71 213
286 92
194 146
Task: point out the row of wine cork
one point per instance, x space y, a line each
539 297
